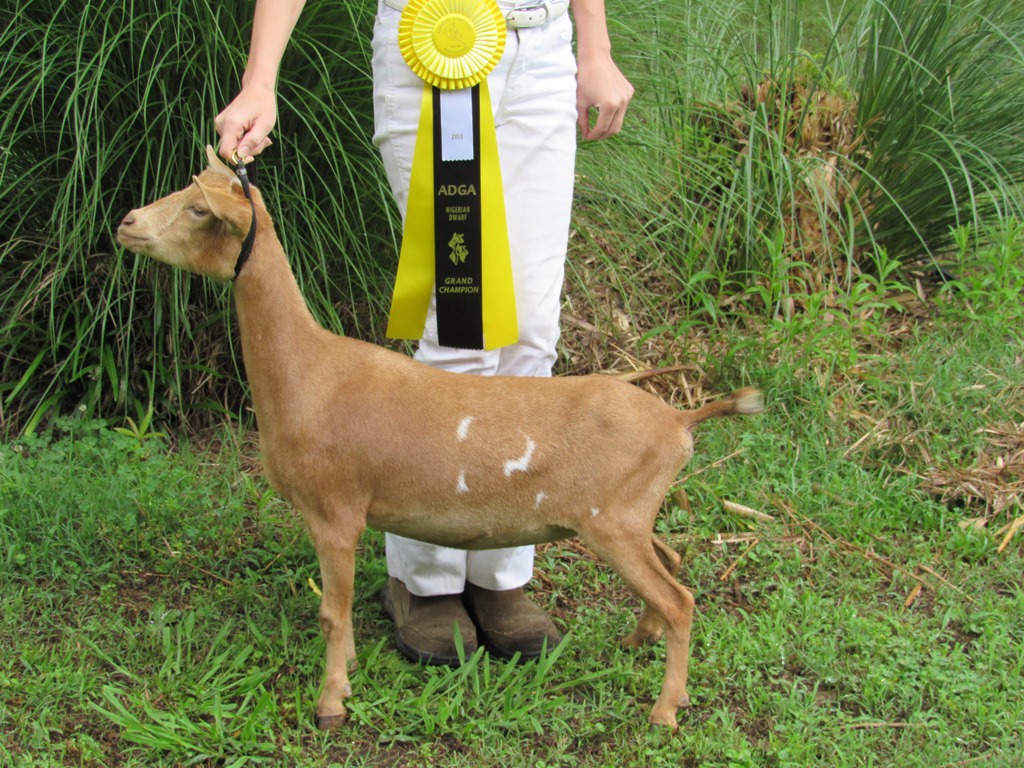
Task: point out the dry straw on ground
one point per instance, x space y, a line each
993 487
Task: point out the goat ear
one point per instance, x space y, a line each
228 205
216 164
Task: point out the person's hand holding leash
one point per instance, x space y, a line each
245 124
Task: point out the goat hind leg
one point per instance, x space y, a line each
650 627
640 565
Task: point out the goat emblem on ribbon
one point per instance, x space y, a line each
459 249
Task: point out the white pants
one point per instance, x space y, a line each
533 94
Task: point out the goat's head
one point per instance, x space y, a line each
200 228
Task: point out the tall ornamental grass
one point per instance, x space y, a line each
107 105
941 94
781 147
775 149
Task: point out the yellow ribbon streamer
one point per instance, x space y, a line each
453 44
414 282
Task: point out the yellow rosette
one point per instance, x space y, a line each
455 242
452 44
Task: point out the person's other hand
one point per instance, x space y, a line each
601 87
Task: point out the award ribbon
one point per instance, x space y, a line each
455 242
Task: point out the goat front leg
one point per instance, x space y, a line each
337 571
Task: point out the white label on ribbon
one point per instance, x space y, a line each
457 124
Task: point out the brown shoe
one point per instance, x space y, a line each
510 623
424 626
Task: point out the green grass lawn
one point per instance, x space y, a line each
157 601
157 609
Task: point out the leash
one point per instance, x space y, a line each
250 238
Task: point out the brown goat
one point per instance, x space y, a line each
356 435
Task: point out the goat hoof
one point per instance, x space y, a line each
684 701
665 716
638 639
331 722
666 722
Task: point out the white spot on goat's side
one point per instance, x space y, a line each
594 511
540 497
523 462
463 431
460 485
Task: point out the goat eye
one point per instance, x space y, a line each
199 212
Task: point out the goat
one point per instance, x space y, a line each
354 435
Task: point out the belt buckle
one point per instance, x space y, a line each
529 9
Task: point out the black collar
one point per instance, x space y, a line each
250 238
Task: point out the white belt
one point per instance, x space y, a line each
533 13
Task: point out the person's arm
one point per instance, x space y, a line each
244 125
599 83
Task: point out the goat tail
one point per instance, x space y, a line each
741 402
